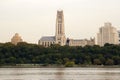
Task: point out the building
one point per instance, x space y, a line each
60 30
107 34
119 36
47 41
80 42
60 38
16 39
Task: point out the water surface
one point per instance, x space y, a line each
59 73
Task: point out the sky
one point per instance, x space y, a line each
33 19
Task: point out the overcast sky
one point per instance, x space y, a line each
33 19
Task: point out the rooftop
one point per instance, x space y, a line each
48 38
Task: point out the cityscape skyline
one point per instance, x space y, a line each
31 19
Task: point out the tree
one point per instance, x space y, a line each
25 53
109 62
70 64
97 62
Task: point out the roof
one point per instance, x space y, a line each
48 38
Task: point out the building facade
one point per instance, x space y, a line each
107 34
60 38
60 30
16 39
80 42
119 36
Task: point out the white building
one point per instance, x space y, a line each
119 36
80 42
107 34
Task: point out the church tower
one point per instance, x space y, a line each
60 32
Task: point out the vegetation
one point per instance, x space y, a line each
24 53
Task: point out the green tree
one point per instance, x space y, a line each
97 62
70 64
109 62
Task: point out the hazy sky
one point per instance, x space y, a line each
33 19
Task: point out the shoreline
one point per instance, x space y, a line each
60 66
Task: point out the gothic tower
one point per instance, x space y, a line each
60 32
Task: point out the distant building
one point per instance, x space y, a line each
107 34
119 36
80 42
46 41
60 29
60 38
16 39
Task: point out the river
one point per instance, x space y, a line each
59 73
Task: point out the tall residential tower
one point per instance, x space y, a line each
107 34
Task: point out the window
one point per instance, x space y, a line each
59 42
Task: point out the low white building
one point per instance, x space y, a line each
80 42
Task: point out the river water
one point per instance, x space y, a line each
59 73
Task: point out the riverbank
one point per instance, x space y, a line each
57 66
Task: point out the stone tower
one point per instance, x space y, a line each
60 31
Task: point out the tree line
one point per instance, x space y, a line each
24 53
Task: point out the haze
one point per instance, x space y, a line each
33 19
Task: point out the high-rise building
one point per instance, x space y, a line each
16 39
107 34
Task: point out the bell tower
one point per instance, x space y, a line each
60 31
